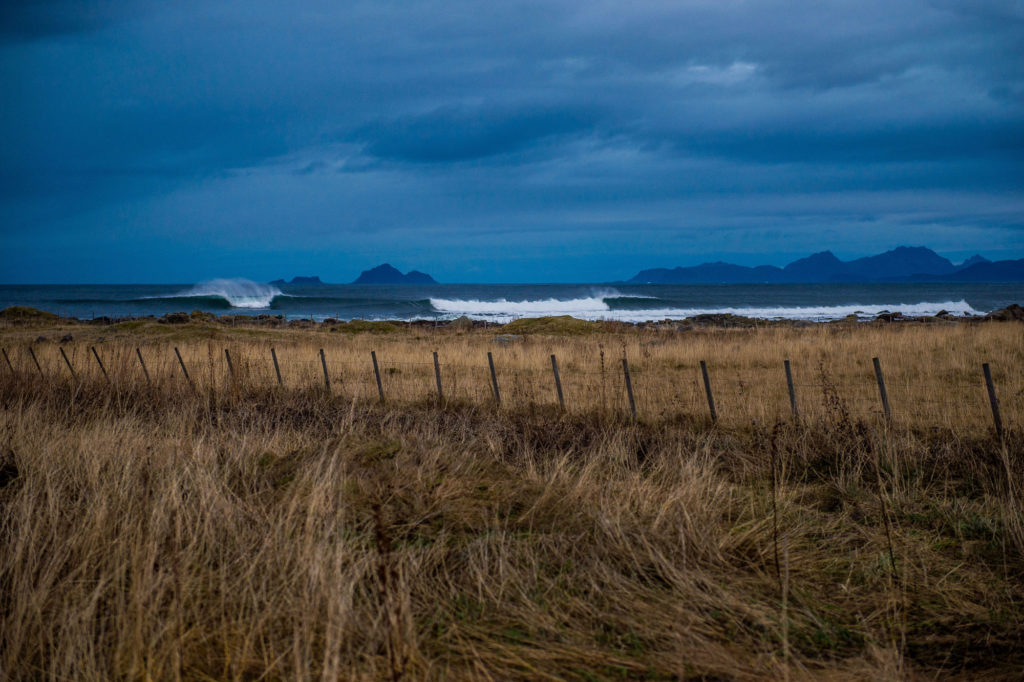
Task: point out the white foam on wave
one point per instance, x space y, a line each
240 293
595 308
585 307
505 308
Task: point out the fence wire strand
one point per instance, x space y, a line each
658 390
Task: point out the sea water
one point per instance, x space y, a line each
505 302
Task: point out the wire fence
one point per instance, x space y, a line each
646 389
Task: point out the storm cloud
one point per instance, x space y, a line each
519 141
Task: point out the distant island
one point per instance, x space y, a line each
298 280
382 274
902 264
386 274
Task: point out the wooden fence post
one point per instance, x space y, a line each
792 390
707 390
183 370
277 368
323 363
376 373
100 363
67 362
881 388
993 400
558 382
629 387
145 371
494 379
36 361
9 365
437 377
231 368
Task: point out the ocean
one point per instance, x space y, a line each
505 302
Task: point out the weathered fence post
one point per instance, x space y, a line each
184 371
145 371
993 400
277 368
100 363
67 362
9 365
881 388
231 368
494 379
707 390
323 363
792 390
558 382
437 377
35 360
376 373
629 387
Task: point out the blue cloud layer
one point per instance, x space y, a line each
551 133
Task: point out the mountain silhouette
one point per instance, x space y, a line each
387 274
902 264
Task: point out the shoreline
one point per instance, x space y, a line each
24 316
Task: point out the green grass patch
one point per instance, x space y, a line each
364 327
23 312
131 325
562 324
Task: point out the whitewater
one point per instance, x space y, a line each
598 308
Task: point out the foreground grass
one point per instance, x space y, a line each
241 531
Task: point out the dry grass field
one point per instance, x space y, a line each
232 528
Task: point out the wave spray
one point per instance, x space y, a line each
239 293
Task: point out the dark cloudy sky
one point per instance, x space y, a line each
501 141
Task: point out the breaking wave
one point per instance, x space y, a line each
577 307
236 293
599 305
637 309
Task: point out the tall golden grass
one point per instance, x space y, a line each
933 374
239 530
